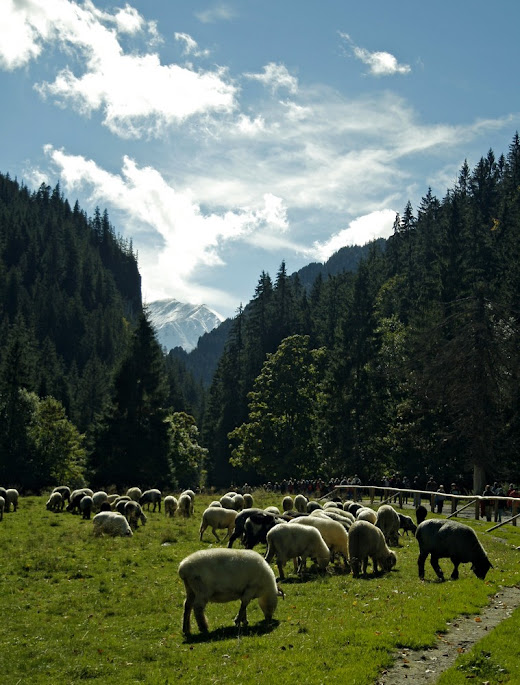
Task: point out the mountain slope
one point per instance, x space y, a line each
179 324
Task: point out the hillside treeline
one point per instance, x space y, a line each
410 364
85 391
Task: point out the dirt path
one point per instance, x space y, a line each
422 667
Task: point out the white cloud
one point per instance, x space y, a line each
190 45
221 12
380 63
276 76
136 94
181 237
359 232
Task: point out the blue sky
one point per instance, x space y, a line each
225 137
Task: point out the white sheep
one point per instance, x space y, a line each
55 501
191 495
287 503
313 506
388 522
215 503
333 533
225 575
272 510
152 496
332 505
2 507
366 514
11 498
134 513
238 502
366 540
227 502
170 505
134 493
218 518
113 498
184 507
248 500
300 503
97 500
298 543
111 523
64 491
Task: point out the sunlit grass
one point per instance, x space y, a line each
76 608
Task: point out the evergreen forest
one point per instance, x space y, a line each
406 362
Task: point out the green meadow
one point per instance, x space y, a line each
78 608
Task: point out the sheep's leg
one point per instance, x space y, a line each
280 570
434 561
420 562
302 564
188 604
201 531
202 622
364 566
241 617
374 565
455 572
215 534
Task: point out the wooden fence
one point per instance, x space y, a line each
484 507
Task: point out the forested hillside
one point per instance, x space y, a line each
411 364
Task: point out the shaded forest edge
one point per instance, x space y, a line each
408 363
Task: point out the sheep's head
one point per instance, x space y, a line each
389 561
481 567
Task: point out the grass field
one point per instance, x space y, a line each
78 608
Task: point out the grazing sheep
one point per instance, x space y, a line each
75 498
134 513
111 523
227 502
2 507
134 494
421 513
333 533
238 502
215 503
86 506
105 506
407 524
366 514
153 496
11 497
332 505
120 505
442 538
97 500
55 502
345 515
257 526
353 507
240 520
248 500
64 491
312 506
272 510
217 518
3 493
331 514
366 540
285 541
170 505
191 495
225 575
300 503
388 522
287 503
184 506
113 498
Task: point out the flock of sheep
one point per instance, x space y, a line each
334 532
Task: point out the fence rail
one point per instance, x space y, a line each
484 506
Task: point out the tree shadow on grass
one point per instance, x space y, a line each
232 632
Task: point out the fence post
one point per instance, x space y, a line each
477 509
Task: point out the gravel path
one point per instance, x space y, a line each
422 667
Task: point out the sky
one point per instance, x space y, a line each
226 137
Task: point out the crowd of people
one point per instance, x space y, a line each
318 487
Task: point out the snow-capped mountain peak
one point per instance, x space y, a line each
179 324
